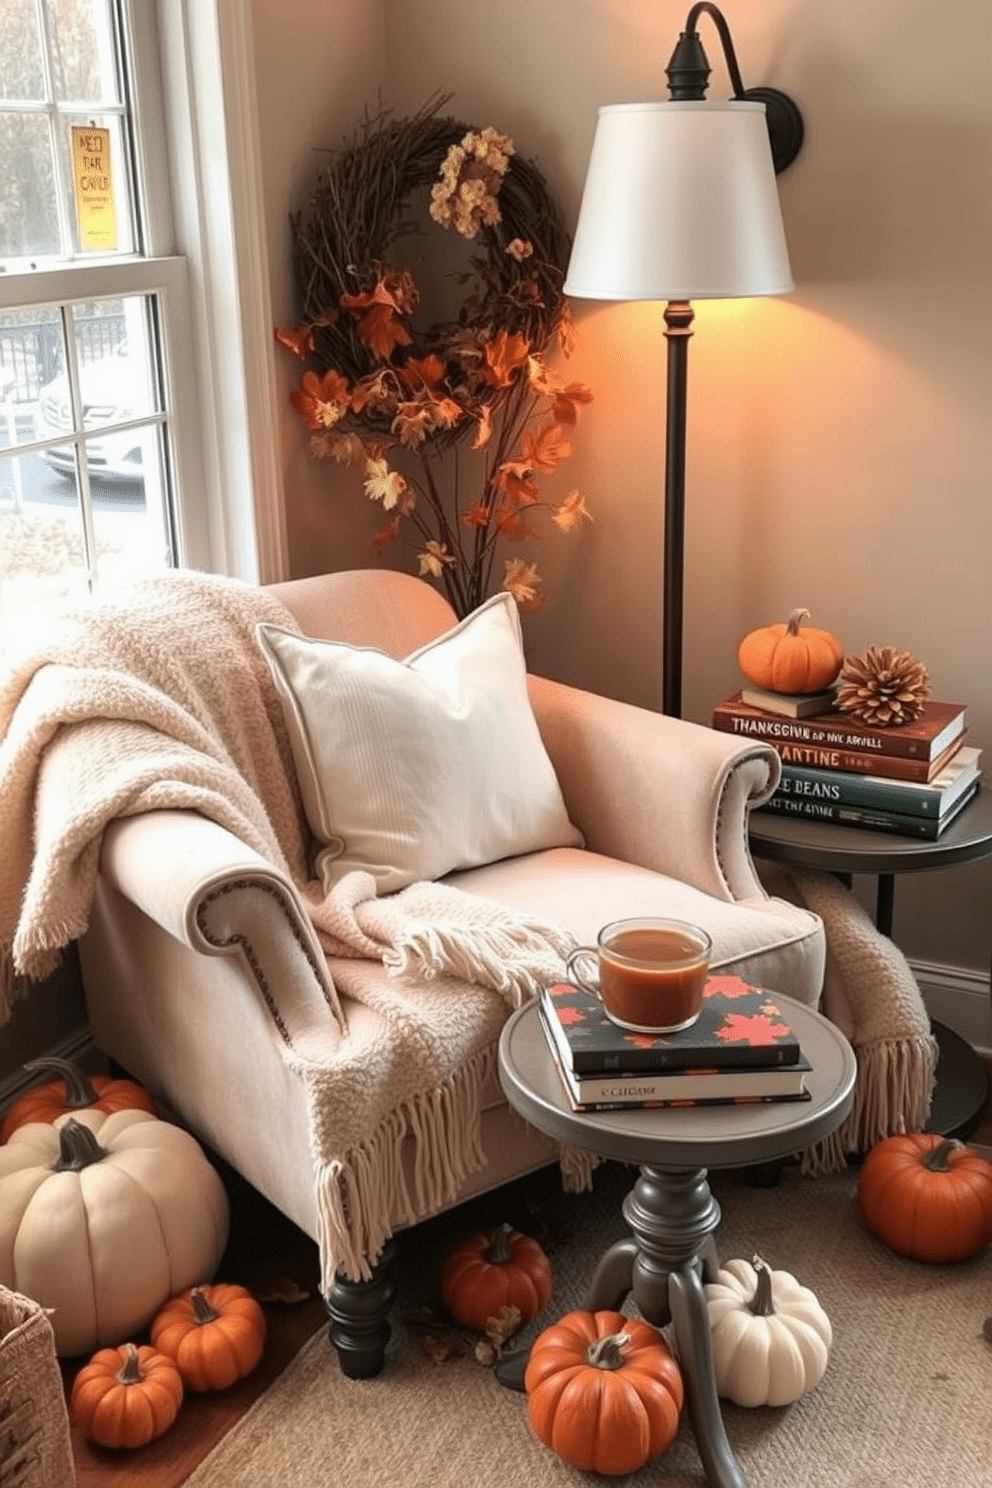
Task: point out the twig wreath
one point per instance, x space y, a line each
399 397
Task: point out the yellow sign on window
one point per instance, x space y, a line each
94 187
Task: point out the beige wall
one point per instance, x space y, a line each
839 442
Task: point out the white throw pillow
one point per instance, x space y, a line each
411 769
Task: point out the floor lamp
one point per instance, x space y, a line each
680 204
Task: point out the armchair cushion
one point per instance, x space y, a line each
410 769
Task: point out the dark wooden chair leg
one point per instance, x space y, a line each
358 1312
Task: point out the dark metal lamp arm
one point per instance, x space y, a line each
688 73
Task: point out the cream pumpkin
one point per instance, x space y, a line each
103 1217
771 1338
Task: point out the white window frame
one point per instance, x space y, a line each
208 72
196 141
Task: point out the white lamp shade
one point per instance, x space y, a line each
680 203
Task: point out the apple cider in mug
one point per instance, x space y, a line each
648 973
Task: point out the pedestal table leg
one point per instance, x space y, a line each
672 1216
690 1319
662 1263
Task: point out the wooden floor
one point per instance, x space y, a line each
263 1246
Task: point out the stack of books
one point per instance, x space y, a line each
740 1049
912 780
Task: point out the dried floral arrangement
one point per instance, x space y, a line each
399 398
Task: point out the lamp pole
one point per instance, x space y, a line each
678 316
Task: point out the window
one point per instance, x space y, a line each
98 424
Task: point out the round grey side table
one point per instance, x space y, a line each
843 849
671 1212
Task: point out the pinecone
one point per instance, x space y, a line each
884 688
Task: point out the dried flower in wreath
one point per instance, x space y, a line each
884 688
399 398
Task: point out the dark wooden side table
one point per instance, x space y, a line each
962 1085
671 1212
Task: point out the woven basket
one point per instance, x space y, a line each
35 1446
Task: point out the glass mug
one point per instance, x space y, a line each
649 974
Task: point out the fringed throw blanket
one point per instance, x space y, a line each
160 701
395 1121
871 994
163 700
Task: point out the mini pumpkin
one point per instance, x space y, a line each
604 1391
927 1196
770 1336
786 658
104 1218
494 1269
216 1334
72 1090
126 1396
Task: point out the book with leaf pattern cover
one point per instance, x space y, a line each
740 1026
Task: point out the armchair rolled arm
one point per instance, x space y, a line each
217 896
658 791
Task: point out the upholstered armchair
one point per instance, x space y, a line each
207 974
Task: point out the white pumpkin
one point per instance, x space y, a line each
771 1338
104 1217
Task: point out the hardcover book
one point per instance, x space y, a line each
895 766
680 1087
740 1026
790 704
869 818
929 736
881 792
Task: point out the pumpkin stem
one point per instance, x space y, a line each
762 1303
795 620
498 1252
78 1148
79 1091
937 1158
129 1372
607 1352
203 1312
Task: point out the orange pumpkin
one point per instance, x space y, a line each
494 1269
73 1090
927 1196
604 1391
126 1396
785 658
215 1334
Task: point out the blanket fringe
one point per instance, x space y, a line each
364 1196
577 1167
14 986
892 1095
511 961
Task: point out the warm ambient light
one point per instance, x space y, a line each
680 203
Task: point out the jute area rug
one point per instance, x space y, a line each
906 1399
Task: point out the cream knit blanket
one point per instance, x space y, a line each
870 992
164 700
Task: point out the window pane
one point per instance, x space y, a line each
42 548
32 353
29 219
117 371
132 536
21 72
82 51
